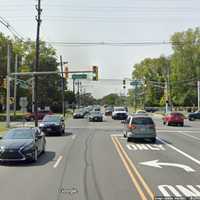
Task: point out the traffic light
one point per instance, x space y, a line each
66 73
95 73
124 84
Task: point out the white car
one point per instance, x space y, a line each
119 113
141 112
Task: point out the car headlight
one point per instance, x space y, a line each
41 125
2 149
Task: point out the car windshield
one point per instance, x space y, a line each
51 118
19 134
142 121
120 109
95 113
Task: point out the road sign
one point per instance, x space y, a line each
79 76
23 102
157 164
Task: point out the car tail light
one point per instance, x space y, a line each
131 126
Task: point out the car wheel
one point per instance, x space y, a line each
125 134
153 140
129 139
35 155
191 119
44 148
182 124
164 123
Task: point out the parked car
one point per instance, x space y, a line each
108 111
174 118
40 115
194 116
79 114
119 113
141 112
53 124
22 144
95 116
139 127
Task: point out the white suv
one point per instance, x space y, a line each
119 113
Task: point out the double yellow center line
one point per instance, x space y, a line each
135 176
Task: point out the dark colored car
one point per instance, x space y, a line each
53 124
40 115
194 116
108 111
22 144
79 114
95 116
174 118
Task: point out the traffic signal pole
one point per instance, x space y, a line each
37 61
63 86
8 88
15 86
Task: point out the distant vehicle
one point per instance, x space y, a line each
139 127
97 108
79 114
95 116
53 124
194 116
119 113
151 109
108 111
141 112
40 115
22 144
174 118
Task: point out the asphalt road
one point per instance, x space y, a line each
94 162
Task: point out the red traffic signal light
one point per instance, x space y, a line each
95 71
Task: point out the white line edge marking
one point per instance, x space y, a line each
191 136
58 161
179 151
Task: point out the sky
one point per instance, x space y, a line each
128 21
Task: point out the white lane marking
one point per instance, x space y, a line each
180 151
191 136
58 161
179 190
116 135
157 164
73 137
145 147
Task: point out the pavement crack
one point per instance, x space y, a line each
89 167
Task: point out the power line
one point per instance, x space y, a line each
144 43
11 28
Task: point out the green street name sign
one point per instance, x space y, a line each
79 76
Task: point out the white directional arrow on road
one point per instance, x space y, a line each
157 164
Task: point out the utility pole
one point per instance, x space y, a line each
198 92
37 61
15 86
166 97
8 88
78 94
63 86
135 98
